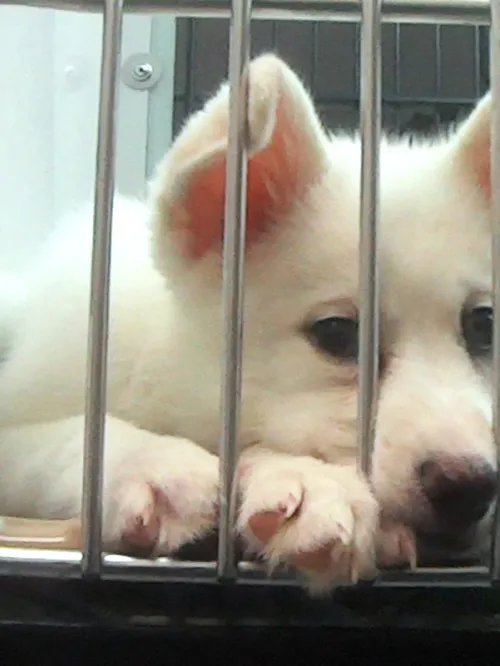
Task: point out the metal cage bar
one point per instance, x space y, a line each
232 283
495 190
95 408
30 563
408 11
370 108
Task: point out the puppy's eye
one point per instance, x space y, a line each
477 330
335 336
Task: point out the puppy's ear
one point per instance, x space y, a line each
473 146
286 155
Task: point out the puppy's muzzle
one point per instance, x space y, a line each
459 491
456 494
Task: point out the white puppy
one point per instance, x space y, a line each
303 501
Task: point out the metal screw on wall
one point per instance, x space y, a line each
141 71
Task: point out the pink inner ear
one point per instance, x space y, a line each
274 181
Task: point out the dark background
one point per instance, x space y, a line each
431 74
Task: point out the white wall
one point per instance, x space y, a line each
48 119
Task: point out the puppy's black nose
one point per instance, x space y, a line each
460 491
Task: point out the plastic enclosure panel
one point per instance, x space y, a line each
452 72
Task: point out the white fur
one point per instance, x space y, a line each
299 407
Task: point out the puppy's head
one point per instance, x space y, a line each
434 464
434 458
299 369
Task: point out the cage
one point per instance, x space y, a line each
451 41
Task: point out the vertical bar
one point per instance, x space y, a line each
189 96
477 61
495 190
357 60
95 404
397 73
370 122
439 64
315 57
232 281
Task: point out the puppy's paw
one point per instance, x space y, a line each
318 518
162 499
